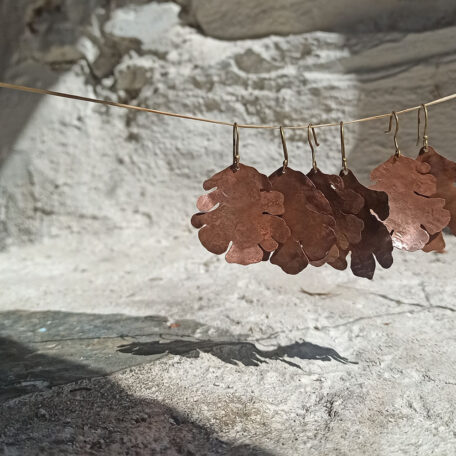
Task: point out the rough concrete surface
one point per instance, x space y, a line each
119 333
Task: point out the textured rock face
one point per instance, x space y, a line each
95 207
239 19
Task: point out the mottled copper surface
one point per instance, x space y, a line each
414 215
444 171
246 215
345 204
375 237
436 243
308 215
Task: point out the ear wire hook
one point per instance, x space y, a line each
309 128
425 136
236 156
342 148
396 131
285 150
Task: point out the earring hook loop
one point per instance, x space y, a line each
396 131
312 148
285 150
342 148
425 136
236 156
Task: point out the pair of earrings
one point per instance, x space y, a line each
293 219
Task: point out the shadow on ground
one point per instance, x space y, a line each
231 352
40 350
94 416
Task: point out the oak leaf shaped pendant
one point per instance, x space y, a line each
345 204
375 238
246 215
308 214
414 213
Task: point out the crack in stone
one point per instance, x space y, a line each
370 317
422 309
415 304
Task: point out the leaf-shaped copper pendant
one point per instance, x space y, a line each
444 171
345 204
247 215
308 214
414 214
375 238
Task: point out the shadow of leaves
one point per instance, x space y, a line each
231 352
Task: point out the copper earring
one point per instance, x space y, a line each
444 171
345 204
246 216
375 239
415 214
307 215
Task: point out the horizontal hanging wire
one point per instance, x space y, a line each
213 121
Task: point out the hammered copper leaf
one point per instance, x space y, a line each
375 238
414 215
246 215
345 204
308 215
444 171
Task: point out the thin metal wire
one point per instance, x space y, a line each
202 119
